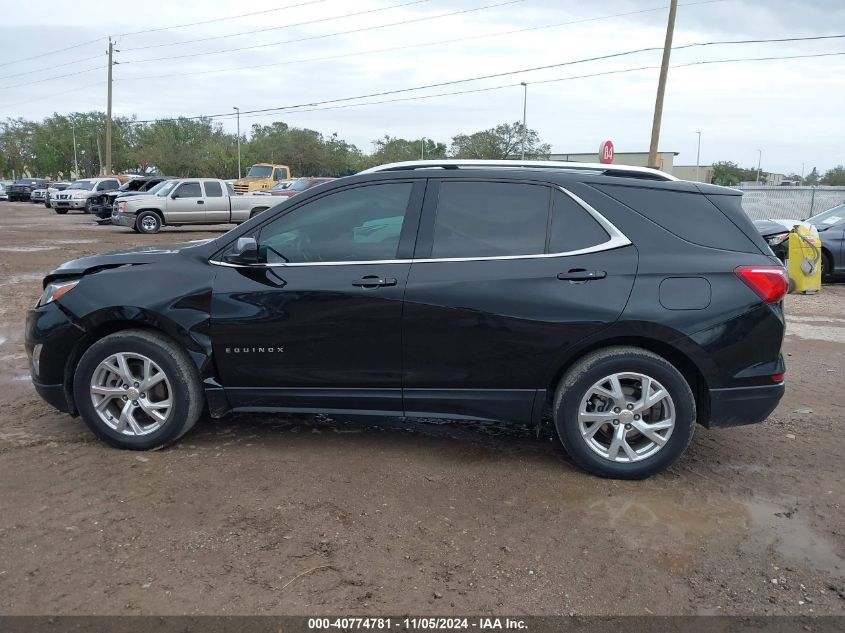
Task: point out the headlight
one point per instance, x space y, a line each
121 206
79 194
774 240
56 290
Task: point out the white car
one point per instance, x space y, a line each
77 194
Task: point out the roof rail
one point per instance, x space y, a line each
624 171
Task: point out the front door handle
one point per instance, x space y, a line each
582 275
200 201
374 281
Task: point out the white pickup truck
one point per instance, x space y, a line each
187 201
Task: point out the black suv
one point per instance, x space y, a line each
628 305
20 190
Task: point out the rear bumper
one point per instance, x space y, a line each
743 405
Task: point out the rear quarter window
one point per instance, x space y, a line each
689 216
572 227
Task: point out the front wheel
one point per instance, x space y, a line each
624 413
61 211
148 222
137 390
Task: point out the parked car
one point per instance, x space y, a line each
187 201
52 189
830 225
279 186
79 194
297 186
3 194
628 304
103 203
21 190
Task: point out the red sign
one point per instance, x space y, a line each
606 152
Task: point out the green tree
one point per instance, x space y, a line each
812 178
835 176
393 150
505 141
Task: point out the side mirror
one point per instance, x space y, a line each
245 252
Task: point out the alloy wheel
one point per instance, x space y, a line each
626 417
131 394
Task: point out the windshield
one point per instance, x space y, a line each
829 217
300 185
282 185
259 171
86 185
166 187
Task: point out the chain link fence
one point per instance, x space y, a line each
791 203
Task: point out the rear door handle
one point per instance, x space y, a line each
582 275
374 281
200 201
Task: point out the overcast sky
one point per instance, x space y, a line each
790 109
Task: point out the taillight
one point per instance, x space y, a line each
769 283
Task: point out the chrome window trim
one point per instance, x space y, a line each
617 239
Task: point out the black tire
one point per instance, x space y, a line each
186 393
255 212
47 205
88 206
592 368
148 222
827 267
61 211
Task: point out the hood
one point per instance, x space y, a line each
115 259
140 195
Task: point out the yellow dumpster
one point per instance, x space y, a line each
804 261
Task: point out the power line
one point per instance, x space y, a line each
277 28
317 37
162 28
411 46
545 81
38 81
231 17
38 70
506 73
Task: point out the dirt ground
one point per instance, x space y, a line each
306 515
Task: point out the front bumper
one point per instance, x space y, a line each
743 405
68 204
123 219
52 330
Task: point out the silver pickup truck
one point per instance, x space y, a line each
187 201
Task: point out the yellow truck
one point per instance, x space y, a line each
261 176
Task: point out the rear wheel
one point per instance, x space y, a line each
137 390
255 212
148 222
827 266
624 412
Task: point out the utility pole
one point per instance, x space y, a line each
759 160
75 162
698 159
107 166
661 86
422 149
238 110
524 115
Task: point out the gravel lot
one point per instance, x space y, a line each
303 515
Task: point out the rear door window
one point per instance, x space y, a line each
572 227
213 189
490 219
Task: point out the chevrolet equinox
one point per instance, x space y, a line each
627 304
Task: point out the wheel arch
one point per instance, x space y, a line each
119 319
680 359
